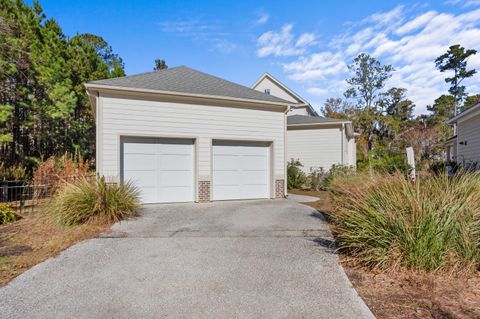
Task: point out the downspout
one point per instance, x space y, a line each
285 151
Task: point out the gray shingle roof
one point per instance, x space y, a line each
186 80
306 119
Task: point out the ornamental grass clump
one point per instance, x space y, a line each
85 200
389 221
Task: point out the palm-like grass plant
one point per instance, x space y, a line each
389 221
85 200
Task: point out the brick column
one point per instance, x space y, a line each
279 188
203 191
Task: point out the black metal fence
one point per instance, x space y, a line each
25 195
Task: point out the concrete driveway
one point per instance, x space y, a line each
249 259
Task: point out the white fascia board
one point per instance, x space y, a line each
179 94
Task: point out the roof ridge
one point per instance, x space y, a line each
140 74
184 79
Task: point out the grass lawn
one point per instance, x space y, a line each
407 294
33 239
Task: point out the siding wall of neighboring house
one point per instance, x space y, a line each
352 152
299 111
468 130
315 147
135 117
275 90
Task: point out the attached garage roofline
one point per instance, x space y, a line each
94 89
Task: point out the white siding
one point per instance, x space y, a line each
352 152
320 147
275 90
134 117
469 131
299 111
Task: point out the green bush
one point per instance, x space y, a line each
317 178
383 160
296 178
390 221
7 214
338 171
85 200
12 172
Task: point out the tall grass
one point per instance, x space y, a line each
85 200
390 221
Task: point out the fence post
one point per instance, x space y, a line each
4 196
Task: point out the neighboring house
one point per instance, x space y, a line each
464 148
314 140
184 136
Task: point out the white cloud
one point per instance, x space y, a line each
386 18
208 32
317 91
282 43
317 66
262 18
409 41
305 40
416 23
464 3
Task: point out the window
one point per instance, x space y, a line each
267 91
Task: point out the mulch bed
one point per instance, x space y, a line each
33 239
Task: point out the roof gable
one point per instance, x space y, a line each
185 80
285 91
466 114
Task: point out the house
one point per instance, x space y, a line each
464 147
314 140
183 136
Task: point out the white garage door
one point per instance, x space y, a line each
161 168
240 170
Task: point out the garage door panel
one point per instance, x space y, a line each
254 162
175 178
253 178
138 148
254 191
225 162
175 149
174 194
148 195
240 170
140 162
225 178
175 162
162 169
141 178
254 150
224 192
225 150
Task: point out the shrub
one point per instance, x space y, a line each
58 168
15 172
338 171
85 200
317 178
7 214
295 176
389 221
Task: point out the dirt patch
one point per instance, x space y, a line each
406 294
414 295
33 239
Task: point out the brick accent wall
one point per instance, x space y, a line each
279 188
203 191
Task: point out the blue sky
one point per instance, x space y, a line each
305 44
